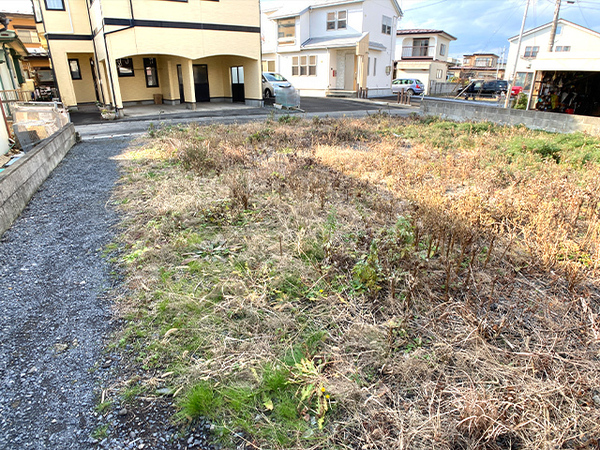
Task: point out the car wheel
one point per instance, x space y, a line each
410 92
268 93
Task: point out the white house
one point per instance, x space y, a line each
332 47
571 69
422 54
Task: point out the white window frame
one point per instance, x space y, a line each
439 74
286 39
335 22
386 25
442 49
304 66
531 51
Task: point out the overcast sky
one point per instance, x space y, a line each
478 25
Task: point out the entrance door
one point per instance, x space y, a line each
201 82
180 79
237 84
349 72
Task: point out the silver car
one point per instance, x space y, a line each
411 86
272 82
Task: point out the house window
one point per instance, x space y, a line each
531 52
151 72
374 66
368 66
443 49
483 62
337 20
304 65
312 65
74 68
564 48
559 29
125 67
55 5
524 80
386 25
439 74
28 36
420 47
286 30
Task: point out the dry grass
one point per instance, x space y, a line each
403 283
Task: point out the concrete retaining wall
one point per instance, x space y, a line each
21 180
462 110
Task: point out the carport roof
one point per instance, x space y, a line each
340 42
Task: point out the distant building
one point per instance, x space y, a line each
12 51
332 47
422 54
571 68
480 66
36 65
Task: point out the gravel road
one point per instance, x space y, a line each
54 317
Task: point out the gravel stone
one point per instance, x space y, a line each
55 319
53 316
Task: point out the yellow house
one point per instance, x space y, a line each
128 52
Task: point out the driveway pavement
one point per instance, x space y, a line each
92 127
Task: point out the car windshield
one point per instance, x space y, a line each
274 77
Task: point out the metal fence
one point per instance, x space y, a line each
437 88
9 98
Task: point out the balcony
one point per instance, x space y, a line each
418 52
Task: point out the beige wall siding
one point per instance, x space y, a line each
219 49
84 88
246 11
191 44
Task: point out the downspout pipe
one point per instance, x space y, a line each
104 34
97 68
8 63
50 56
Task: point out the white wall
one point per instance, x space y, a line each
373 19
305 82
3 137
584 53
318 21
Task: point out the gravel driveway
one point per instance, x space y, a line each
53 316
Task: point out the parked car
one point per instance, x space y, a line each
411 86
271 82
516 90
495 87
486 88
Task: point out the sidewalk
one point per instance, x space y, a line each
90 115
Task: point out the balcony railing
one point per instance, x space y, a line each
424 52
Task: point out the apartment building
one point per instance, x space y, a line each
127 52
331 47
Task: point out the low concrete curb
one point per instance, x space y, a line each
21 180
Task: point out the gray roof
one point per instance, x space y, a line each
298 7
339 42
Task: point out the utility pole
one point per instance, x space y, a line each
513 78
554 25
499 63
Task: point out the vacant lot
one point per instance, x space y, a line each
367 284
